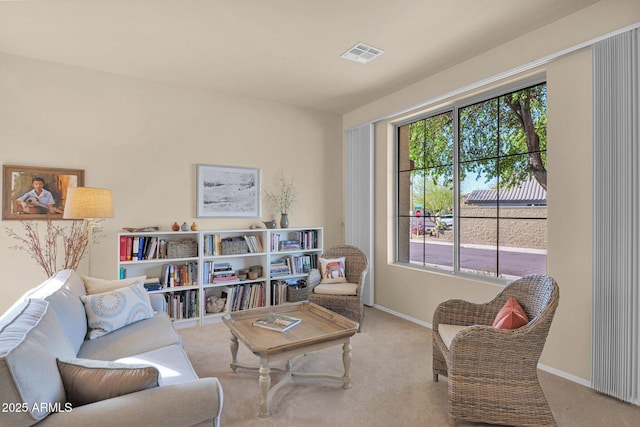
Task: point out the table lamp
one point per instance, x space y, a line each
91 205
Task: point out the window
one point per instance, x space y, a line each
471 186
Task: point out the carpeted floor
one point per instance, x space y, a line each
391 378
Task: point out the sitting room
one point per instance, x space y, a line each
330 162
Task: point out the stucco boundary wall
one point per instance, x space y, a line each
520 226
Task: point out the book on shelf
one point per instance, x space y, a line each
244 297
212 245
254 244
277 322
179 274
183 305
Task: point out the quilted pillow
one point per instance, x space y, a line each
332 270
87 381
110 311
511 316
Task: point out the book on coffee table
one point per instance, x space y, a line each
276 322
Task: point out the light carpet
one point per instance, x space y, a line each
392 383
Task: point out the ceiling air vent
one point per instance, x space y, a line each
362 53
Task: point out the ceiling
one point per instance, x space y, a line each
287 51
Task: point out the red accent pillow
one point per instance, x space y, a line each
511 316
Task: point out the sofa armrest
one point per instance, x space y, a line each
184 404
158 302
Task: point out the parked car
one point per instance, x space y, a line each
447 219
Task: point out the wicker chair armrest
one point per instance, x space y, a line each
363 275
461 312
313 279
493 350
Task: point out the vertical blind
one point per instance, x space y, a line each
615 366
359 197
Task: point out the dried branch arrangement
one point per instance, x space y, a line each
44 249
282 198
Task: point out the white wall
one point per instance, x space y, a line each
415 293
143 140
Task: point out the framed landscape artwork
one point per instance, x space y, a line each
225 191
30 192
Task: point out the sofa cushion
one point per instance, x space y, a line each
171 362
336 288
63 291
138 337
87 381
31 339
116 309
448 332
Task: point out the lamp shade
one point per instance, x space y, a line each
88 202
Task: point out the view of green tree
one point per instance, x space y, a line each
435 198
511 128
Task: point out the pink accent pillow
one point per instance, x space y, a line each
511 316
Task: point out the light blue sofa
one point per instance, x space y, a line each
49 322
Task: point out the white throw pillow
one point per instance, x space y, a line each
98 286
332 270
110 311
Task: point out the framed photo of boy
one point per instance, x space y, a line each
225 191
30 192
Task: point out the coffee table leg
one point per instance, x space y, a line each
265 385
346 359
234 352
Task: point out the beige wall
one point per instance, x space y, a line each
143 140
415 293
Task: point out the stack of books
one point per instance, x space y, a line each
279 267
223 272
289 245
152 284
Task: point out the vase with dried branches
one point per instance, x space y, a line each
73 240
282 198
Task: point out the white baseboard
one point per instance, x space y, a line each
546 368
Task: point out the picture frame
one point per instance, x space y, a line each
228 191
19 202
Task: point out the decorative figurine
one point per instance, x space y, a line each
215 304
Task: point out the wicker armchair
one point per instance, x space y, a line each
492 372
356 268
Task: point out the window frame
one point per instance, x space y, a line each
452 105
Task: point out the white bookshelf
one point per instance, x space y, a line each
212 253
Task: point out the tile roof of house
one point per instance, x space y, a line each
529 192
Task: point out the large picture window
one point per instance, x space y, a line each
472 184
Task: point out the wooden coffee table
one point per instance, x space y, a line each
320 328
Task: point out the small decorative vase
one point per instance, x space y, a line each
175 226
194 227
284 220
184 227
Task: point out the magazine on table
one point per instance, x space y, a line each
276 322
